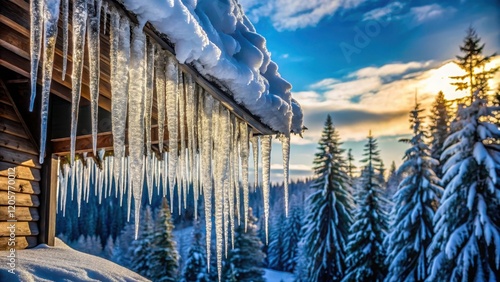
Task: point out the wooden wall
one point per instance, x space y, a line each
17 152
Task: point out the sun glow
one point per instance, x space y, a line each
439 79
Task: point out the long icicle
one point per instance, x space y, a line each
218 185
36 29
285 145
244 151
255 149
65 24
136 97
160 94
266 172
182 128
94 10
79 27
207 147
51 15
172 90
150 56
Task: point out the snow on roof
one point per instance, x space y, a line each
219 40
62 263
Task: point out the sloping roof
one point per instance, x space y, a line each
222 44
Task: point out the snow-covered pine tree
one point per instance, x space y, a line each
366 250
291 239
141 248
439 128
109 249
275 250
163 257
392 182
411 218
242 263
466 243
381 174
195 269
328 218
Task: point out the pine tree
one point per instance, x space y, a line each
163 257
381 174
411 230
473 63
467 224
109 249
275 250
350 164
328 218
141 248
242 263
439 128
291 239
195 269
365 248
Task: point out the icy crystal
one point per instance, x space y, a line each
285 145
51 16
36 27
136 97
266 171
65 24
172 90
218 183
149 93
79 27
160 94
255 149
244 151
94 18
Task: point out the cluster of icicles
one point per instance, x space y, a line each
208 147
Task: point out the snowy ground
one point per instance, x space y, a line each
278 276
62 263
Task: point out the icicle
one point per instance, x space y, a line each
182 129
244 151
36 28
218 184
150 55
122 167
65 24
105 10
79 26
79 183
172 118
58 185
165 175
119 61
190 110
255 149
73 177
51 15
67 171
136 98
285 145
207 146
235 166
86 169
149 176
129 187
266 172
94 17
105 169
160 94
110 171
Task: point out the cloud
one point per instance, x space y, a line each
293 14
385 13
413 16
376 98
429 12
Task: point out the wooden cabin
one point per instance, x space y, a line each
34 184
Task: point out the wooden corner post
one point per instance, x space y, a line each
48 202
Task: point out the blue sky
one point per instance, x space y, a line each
362 61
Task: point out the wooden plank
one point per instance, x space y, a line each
19 185
17 143
19 158
22 172
21 228
13 128
20 214
22 200
21 242
7 112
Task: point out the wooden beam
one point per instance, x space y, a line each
48 202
